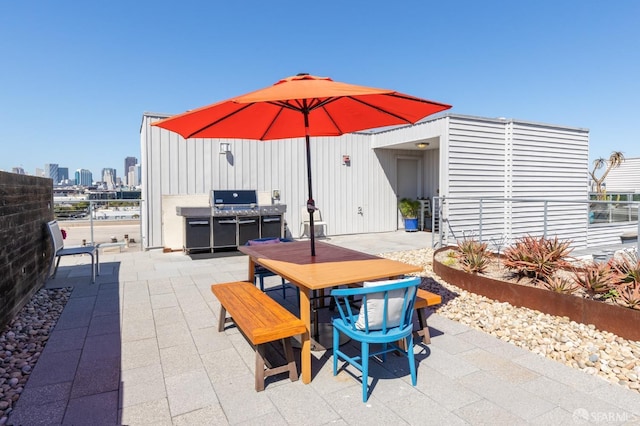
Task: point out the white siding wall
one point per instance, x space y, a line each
475 168
625 178
607 234
468 157
515 159
172 166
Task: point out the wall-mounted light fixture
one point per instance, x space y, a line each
346 160
422 145
225 147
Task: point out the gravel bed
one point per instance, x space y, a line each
580 346
22 342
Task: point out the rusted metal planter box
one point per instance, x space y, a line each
622 321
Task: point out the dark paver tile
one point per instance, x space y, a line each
56 367
96 376
46 414
100 409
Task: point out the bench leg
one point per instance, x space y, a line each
222 318
424 329
259 369
264 368
291 362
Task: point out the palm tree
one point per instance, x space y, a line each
615 159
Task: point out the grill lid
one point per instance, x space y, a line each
231 197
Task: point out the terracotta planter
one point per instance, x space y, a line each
622 321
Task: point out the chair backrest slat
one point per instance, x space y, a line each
305 216
56 235
377 299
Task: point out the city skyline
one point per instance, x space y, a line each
97 177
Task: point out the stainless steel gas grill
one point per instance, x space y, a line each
233 218
237 218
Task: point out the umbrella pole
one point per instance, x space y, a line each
311 204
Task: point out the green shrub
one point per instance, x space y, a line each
409 209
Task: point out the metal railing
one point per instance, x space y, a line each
484 215
613 211
116 220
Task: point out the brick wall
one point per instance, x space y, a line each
26 205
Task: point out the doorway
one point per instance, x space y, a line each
409 180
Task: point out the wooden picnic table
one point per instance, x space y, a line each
332 266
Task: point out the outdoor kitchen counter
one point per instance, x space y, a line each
203 211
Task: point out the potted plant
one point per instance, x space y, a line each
409 209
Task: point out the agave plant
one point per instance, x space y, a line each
596 278
473 256
629 296
537 258
626 269
560 285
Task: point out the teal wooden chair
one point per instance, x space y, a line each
384 318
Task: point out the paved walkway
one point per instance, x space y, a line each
141 346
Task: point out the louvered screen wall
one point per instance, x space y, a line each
514 159
625 178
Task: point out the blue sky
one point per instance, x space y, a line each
75 77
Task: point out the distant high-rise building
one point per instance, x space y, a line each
51 171
84 177
17 170
129 162
133 177
39 172
138 174
109 177
63 175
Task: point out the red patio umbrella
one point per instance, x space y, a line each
302 105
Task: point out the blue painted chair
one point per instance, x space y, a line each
261 272
384 318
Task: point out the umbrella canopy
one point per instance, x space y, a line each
302 105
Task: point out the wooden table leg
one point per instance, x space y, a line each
305 315
252 270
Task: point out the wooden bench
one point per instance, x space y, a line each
425 299
261 320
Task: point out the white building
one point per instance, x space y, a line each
450 155
624 178
108 178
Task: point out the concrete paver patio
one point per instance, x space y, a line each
141 346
